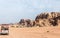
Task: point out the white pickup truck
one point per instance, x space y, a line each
4 32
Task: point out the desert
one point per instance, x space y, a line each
45 25
34 32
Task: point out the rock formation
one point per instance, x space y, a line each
43 19
27 23
48 19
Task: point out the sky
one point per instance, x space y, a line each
11 11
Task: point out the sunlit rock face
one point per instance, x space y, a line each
48 19
44 19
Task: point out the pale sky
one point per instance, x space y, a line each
11 11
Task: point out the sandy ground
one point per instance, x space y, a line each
34 32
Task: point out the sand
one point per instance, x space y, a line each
34 32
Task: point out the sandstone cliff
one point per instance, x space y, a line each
48 19
43 19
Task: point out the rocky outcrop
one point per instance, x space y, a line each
48 19
27 22
43 19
